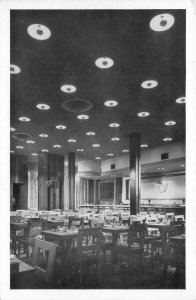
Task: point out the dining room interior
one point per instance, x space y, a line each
97 149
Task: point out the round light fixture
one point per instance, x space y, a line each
12 129
43 106
57 146
71 140
181 165
110 154
14 69
39 32
24 119
34 154
95 145
115 139
143 114
44 150
143 171
98 157
80 150
149 84
90 133
68 88
61 127
83 117
19 147
12 151
30 142
111 103
170 123
167 139
125 151
162 22
104 62
144 146
44 135
114 125
181 100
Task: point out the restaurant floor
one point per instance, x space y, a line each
112 277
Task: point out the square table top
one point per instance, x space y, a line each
115 229
67 234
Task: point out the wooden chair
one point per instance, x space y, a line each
44 255
135 246
87 254
35 227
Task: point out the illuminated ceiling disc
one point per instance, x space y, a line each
144 146
115 139
34 154
95 145
43 106
97 157
110 154
30 142
111 103
83 117
14 69
44 150
167 139
80 150
68 88
24 119
57 146
125 151
90 133
170 123
143 114
114 125
149 84
39 32
61 127
71 140
12 129
181 100
104 62
162 22
19 147
43 135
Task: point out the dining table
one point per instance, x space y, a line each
178 242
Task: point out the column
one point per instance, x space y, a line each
71 175
135 172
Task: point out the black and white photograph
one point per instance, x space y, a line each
98 150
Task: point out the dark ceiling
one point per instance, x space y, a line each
78 38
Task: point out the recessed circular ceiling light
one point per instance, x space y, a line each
114 125
44 135
83 117
144 146
125 150
98 157
30 142
162 22
143 114
39 32
24 119
90 133
61 127
104 62
95 145
34 154
19 147
143 171
12 151
167 139
71 140
181 100
115 139
181 165
80 150
170 123
14 69
44 150
149 84
111 103
12 129
68 88
57 146
110 154
43 106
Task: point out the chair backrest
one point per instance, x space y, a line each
50 225
97 223
76 222
94 237
44 264
179 217
35 227
137 233
170 216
